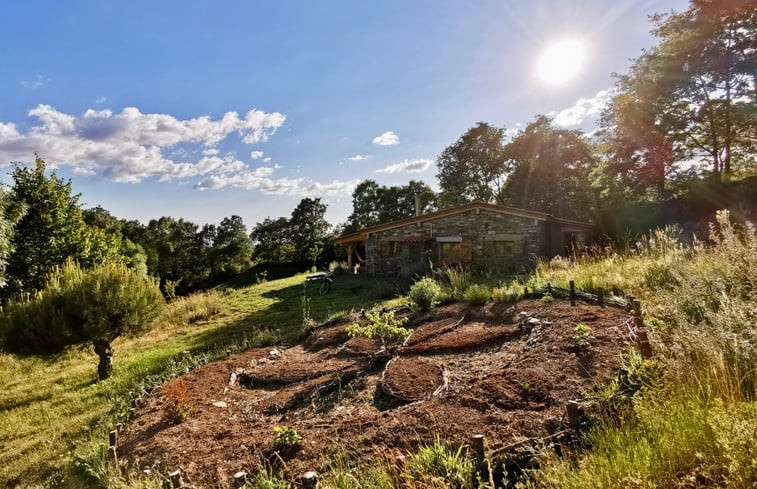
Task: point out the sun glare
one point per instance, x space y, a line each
561 61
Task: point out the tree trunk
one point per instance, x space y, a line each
105 352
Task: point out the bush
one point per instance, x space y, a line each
582 336
511 293
477 295
424 293
77 306
383 326
285 438
178 406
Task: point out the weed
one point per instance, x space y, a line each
477 295
459 280
525 385
286 438
546 298
178 406
511 293
438 462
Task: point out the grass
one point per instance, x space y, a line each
53 411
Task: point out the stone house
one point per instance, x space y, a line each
476 235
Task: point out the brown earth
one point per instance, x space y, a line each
505 372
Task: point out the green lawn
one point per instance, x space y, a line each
53 410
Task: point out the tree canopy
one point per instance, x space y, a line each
376 204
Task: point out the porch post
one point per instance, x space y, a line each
350 248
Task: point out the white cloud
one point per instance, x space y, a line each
583 109
255 155
260 179
267 160
101 100
387 139
131 146
360 157
35 82
411 166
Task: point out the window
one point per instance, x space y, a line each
456 252
503 248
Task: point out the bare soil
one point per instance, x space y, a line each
502 371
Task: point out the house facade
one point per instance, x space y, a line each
477 235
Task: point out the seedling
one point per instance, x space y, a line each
583 336
285 438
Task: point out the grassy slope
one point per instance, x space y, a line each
52 408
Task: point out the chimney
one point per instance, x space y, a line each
417 204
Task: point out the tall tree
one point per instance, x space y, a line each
550 170
374 204
231 250
474 167
272 241
50 230
308 229
694 95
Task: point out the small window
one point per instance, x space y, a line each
503 248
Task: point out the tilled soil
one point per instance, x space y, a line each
505 372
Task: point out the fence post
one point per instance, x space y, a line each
572 293
175 477
642 338
573 410
239 479
601 297
482 471
549 288
309 480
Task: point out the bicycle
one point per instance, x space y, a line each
326 278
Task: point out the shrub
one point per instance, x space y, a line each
178 406
547 298
459 279
383 326
583 336
424 293
338 267
511 293
78 306
477 295
285 438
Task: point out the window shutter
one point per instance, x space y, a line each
466 252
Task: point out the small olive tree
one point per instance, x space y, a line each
79 306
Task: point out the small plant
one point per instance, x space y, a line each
437 461
424 293
477 295
178 406
546 298
307 320
525 385
169 289
459 279
286 438
261 277
511 293
383 326
582 336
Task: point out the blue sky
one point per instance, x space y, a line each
202 110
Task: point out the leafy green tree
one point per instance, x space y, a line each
231 248
6 234
474 167
374 204
550 170
308 229
272 241
79 306
50 229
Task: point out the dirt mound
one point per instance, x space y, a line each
505 372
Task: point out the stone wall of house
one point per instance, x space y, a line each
474 228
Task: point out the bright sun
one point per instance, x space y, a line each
561 61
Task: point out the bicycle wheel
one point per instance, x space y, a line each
325 286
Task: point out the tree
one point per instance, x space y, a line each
50 230
272 241
308 229
550 170
695 94
373 204
474 167
231 249
6 234
78 306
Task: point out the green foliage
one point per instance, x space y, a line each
438 462
78 306
267 480
193 308
272 241
424 293
50 230
382 326
308 229
459 280
286 438
374 204
546 298
477 295
583 336
510 293
474 167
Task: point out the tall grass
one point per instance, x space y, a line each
698 428
193 308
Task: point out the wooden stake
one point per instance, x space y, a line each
573 411
601 297
113 458
239 479
309 480
482 471
175 477
113 438
549 288
572 293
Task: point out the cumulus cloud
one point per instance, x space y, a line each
387 139
360 157
131 146
583 109
256 155
410 166
261 179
